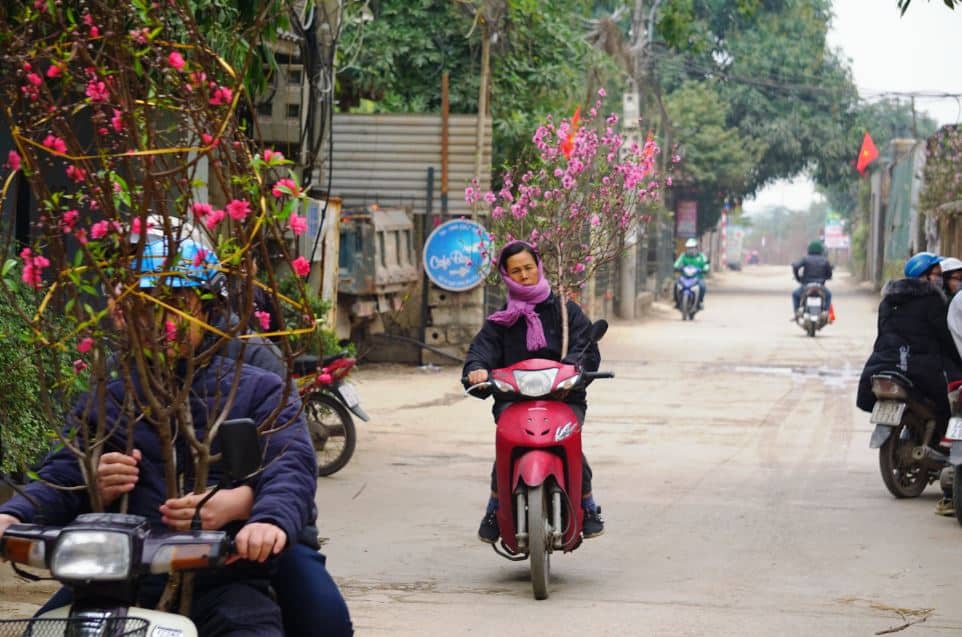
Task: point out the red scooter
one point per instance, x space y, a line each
539 457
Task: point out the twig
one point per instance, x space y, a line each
359 491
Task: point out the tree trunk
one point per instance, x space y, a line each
482 97
563 300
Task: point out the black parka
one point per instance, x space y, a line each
499 346
812 268
914 339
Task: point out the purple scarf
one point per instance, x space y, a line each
521 302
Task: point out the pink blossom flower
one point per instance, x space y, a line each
208 139
54 71
117 121
95 31
286 186
490 197
298 224
33 266
302 267
97 91
176 60
140 36
201 209
497 212
264 319
100 229
238 209
13 160
136 227
34 79
170 331
76 174
668 181
595 220
222 95
200 257
272 157
85 344
602 92
81 235
79 366
55 144
70 219
214 218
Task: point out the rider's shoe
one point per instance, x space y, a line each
593 524
945 507
489 531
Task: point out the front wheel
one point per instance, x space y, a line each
332 432
538 543
903 476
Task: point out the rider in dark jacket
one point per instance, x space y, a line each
913 337
812 268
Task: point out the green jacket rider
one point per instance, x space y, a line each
692 256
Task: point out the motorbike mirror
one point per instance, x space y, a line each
598 330
239 448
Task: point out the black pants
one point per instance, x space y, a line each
580 409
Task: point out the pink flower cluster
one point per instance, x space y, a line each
33 267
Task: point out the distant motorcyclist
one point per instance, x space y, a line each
951 275
812 268
693 257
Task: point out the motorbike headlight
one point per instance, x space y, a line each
502 386
570 382
91 555
535 383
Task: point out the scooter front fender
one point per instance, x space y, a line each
880 435
535 466
955 453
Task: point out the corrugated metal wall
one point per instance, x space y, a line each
385 159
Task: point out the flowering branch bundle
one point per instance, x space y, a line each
588 190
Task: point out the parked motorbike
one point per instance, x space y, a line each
538 460
812 314
329 401
905 423
687 290
103 557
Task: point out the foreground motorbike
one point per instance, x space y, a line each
812 314
952 475
329 401
687 291
538 461
103 557
905 424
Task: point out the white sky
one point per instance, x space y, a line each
921 51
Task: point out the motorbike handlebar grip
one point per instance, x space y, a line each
595 375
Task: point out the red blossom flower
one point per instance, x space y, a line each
272 156
13 160
33 266
298 224
213 218
55 144
100 229
54 71
302 267
69 220
97 91
264 319
79 366
170 331
76 174
201 210
176 60
286 186
238 209
85 344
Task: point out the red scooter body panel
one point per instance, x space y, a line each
538 439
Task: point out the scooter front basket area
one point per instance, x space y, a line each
108 627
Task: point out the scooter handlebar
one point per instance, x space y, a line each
597 375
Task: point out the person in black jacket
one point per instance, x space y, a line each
913 336
530 327
812 268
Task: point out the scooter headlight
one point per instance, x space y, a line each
535 383
91 555
570 382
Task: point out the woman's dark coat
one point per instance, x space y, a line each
914 339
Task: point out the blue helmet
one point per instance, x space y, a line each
920 264
195 266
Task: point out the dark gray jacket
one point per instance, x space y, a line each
812 268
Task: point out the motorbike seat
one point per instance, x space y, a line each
305 364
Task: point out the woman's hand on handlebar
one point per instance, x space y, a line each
257 541
117 474
477 376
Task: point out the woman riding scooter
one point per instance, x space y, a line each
505 339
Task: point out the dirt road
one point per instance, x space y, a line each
731 464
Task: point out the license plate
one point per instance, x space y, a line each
887 412
349 394
813 303
954 430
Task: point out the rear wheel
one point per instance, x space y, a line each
904 476
332 432
538 543
810 328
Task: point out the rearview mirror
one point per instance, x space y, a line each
238 445
598 330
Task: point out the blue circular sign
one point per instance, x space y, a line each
457 255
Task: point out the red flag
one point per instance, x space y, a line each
867 155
